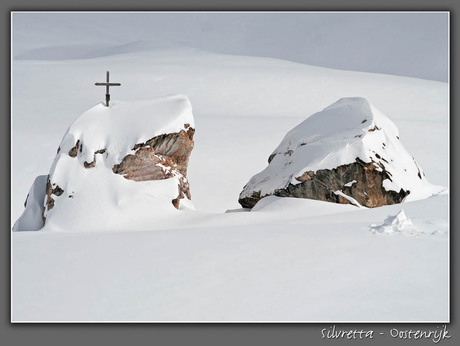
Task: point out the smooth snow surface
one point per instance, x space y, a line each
293 260
347 130
287 260
404 43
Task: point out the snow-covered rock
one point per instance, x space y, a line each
119 166
348 153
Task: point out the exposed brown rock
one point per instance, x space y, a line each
43 214
160 157
145 165
306 176
90 164
49 203
184 191
368 190
74 151
93 163
51 189
251 201
375 128
57 190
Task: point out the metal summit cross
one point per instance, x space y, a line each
107 85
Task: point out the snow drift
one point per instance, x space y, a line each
31 218
118 166
348 153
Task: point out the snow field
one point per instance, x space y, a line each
287 260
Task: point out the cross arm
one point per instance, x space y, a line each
109 84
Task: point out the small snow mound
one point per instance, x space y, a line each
399 223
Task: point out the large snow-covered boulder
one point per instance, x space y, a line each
348 153
120 166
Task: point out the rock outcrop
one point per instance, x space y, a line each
126 161
158 157
349 153
161 157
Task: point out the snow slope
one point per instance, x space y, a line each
288 260
406 44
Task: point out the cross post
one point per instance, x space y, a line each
107 84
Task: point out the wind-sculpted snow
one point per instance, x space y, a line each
31 218
349 152
399 223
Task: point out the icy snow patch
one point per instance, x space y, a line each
350 184
349 198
